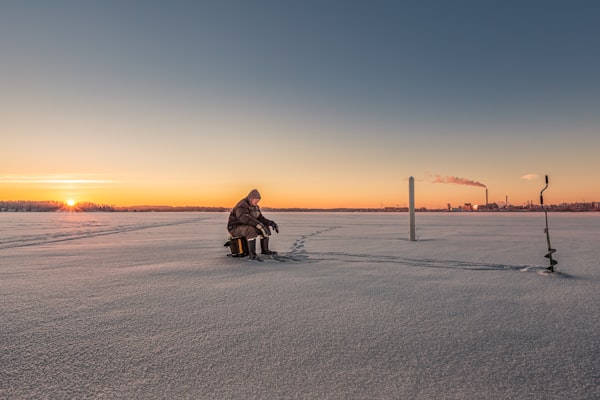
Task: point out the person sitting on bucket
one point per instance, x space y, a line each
246 220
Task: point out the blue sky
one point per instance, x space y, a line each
323 95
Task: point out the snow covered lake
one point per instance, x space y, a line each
148 305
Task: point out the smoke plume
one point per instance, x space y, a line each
456 180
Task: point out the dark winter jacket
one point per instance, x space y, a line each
244 213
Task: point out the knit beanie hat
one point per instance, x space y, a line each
253 194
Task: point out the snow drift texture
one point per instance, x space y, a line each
148 306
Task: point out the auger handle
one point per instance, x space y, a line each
542 192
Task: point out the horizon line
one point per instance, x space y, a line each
81 206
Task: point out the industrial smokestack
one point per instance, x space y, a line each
486 198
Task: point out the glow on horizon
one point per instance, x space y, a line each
430 193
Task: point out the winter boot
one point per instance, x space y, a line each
264 246
252 250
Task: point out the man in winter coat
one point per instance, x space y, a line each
246 220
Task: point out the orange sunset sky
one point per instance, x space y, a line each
316 104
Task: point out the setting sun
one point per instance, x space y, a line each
70 202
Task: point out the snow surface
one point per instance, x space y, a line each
147 305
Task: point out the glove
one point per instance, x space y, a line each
264 231
273 225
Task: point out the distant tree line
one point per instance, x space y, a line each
50 206
53 206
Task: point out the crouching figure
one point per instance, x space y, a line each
246 220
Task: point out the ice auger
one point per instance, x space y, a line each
551 251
